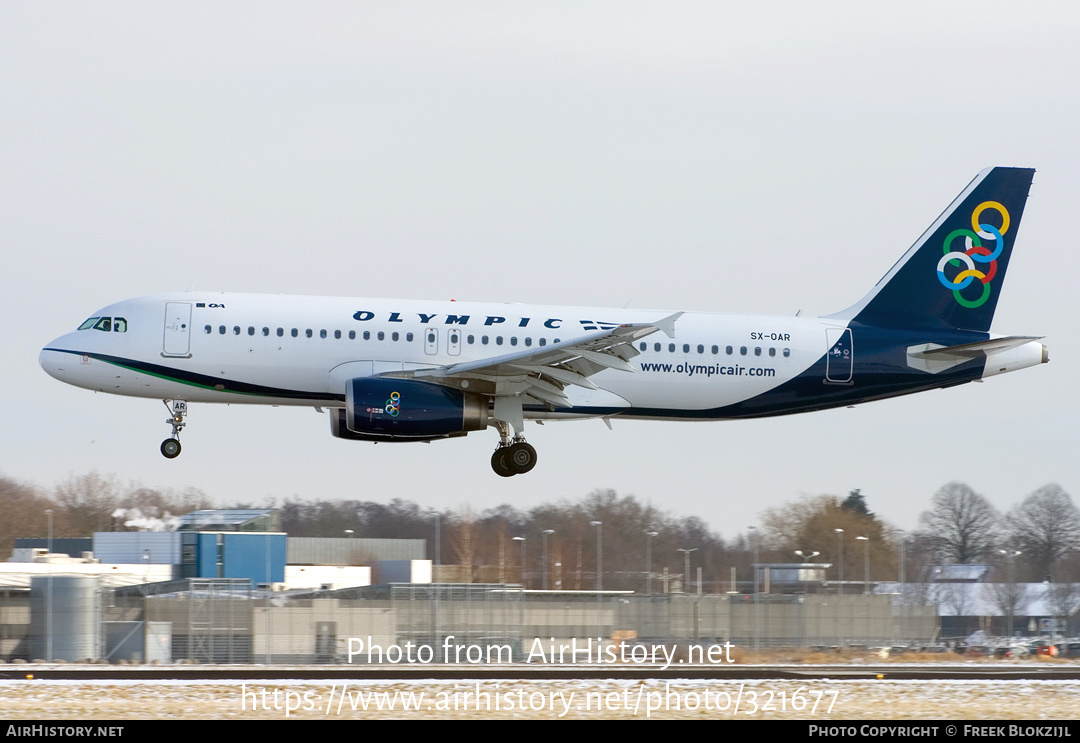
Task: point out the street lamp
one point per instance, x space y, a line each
48 597
546 533
840 559
599 554
866 563
522 540
757 619
1011 555
648 561
686 566
805 557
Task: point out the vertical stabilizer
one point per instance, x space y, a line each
952 276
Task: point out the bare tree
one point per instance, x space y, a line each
960 525
812 524
1011 599
1063 599
89 502
1045 526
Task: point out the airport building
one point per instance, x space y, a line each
230 587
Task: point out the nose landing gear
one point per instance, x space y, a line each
170 448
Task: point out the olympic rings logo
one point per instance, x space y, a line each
974 253
393 405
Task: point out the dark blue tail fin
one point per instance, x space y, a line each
952 276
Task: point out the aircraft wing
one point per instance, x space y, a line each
544 372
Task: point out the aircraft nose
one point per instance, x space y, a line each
53 361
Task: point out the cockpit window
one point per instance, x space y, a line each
106 324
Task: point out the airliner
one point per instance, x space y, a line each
405 370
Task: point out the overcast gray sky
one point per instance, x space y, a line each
739 157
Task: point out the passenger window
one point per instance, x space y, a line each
266 331
686 348
729 350
394 336
757 351
295 332
280 332
656 347
715 350
483 340
470 340
352 335
367 335
498 340
221 330
543 341
381 336
430 337
337 335
409 337
322 333
251 330
671 348
643 346
772 351
513 340
528 341
787 352
700 348
208 329
308 332
742 350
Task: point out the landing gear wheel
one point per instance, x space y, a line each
170 448
500 462
521 457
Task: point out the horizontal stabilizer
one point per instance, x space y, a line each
934 358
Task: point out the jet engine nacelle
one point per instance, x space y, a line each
385 409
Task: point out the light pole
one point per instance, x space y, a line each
435 572
546 533
648 561
522 540
903 588
757 621
866 563
48 595
686 566
1011 595
599 554
840 558
805 557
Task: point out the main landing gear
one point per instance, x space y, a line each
512 457
170 448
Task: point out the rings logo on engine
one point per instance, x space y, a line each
393 405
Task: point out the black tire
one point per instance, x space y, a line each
170 448
522 458
500 462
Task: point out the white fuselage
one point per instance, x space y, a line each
290 350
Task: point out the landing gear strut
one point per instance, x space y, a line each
512 457
170 448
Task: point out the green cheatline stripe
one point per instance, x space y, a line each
201 381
